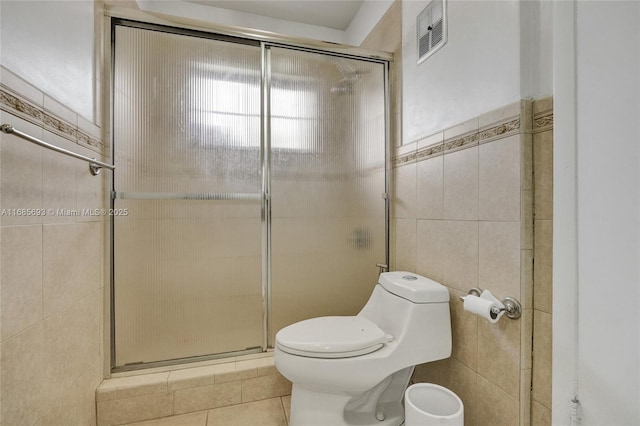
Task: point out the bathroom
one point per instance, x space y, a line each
530 210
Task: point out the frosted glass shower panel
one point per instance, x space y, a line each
327 180
188 257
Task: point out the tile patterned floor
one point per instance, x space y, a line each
268 412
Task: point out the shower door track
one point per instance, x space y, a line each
265 197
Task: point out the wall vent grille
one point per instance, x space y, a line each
431 29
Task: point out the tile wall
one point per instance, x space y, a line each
542 272
51 262
230 385
463 215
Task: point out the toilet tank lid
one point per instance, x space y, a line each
414 287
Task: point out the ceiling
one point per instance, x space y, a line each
336 14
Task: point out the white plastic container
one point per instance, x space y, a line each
427 404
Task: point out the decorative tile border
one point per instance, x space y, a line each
542 121
14 104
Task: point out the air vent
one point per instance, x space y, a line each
431 28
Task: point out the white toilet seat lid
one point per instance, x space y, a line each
332 337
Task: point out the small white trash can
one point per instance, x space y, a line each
428 404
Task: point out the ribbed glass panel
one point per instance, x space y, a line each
187 278
327 181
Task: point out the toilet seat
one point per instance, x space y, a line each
332 337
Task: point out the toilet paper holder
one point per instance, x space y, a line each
512 308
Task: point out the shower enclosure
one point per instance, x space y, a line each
250 190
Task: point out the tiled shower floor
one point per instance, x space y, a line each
268 412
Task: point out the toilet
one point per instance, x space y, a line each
354 370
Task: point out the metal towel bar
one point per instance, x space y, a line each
94 165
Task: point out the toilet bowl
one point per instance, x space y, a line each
354 370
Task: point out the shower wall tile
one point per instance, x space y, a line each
21 278
122 411
461 185
499 181
469 126
20 87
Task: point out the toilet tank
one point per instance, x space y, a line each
415 311
413 287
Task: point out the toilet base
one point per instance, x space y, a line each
310 408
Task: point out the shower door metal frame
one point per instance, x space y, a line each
255 39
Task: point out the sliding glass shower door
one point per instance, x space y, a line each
249 184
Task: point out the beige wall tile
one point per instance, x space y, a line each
526 339
543 175
544 104
460 266
206 397
90 189
406 240
20 172
430 188
193 377
72 263
241 370
266 366
499 180
495 407
461 185
265 387
143 384
526 279
526 219
136 409
464 383
21 277
431 235
542 349
525 397
499 354
468 126
499 258
191 419
23 369
526 161
464 331
59 181
438 372
268 412
73 343
499 115
21 87
77 406
404 191
543 266
540 415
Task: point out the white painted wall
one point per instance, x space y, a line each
478 70
596 273
50 44
370 12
